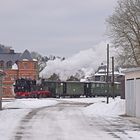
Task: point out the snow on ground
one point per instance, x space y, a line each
115 107
15 109
99 106
9 120
101 110
85 100
29 103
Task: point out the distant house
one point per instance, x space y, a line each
101 74
132 92
16 65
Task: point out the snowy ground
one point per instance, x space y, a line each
103 118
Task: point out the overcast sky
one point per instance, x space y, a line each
57 27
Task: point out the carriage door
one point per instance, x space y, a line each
64 88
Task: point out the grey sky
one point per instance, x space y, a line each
57 27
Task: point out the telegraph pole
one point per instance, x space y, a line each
113 93
1 82
107 78
1 91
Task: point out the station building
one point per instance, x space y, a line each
16 65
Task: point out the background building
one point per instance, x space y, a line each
132 94
16 65
101 74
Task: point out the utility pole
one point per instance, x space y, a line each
113 93
107 78
1 75
1 82
0 93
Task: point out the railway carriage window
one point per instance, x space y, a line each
117 86
102 85
93 85
97 85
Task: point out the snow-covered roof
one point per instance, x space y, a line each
102 70
132 70
110 73
34 59
25 59
83 80
100 74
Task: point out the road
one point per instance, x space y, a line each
66 121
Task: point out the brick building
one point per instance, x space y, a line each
16 65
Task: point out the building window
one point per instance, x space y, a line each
35 65
26 66
1 64
102 78
9 64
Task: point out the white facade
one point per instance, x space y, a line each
132 92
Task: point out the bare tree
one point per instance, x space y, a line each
73 78
41 60
124 30
54 77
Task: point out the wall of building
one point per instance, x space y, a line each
130 98
137 97
132 86
8 81
26 69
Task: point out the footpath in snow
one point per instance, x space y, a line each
16 109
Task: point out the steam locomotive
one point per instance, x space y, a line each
27 88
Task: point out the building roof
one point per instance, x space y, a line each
12 57
9 57
16 56
132 69
102 71
26 55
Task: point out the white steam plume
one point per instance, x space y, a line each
86 60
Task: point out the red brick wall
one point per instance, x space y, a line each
26 69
